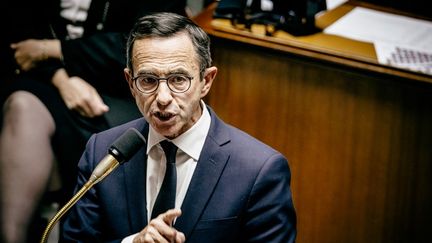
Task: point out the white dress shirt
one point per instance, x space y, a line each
189 145
74 11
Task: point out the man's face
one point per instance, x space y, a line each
169 113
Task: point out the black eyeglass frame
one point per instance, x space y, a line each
159 80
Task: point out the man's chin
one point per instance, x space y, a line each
166 131
170 135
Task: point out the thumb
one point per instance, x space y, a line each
102 107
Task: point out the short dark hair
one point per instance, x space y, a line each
167 25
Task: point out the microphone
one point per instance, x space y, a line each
122 150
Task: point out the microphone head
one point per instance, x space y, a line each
128 144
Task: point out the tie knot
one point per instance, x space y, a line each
170 151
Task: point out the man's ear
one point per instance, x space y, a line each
129 79
209 76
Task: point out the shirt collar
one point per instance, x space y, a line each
192 141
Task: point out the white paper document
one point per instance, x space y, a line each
392 35
404 57
331 4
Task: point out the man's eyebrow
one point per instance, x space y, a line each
146 72
170 72
180 71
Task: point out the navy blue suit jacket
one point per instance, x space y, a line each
240 192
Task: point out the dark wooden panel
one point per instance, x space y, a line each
359 145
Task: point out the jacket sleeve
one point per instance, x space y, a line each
99 59
270 215
82 223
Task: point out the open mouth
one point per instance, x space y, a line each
164 116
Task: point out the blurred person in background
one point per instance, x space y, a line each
61 80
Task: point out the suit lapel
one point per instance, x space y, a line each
209 168
135 186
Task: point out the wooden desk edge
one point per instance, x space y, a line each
204 19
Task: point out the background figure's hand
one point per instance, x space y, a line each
159 229
29 53
82 97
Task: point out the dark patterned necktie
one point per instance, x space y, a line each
166 197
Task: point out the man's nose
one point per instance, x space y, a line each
164 95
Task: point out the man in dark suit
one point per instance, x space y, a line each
229 187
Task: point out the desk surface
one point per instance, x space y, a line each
321 46
358 142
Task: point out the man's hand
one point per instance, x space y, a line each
29 52
159 229
79 95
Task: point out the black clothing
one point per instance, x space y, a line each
98 57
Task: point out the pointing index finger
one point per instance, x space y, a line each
169 216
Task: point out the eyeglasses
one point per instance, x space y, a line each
177 83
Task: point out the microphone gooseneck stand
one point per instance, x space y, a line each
89 184
121 150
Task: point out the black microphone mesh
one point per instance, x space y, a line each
125 146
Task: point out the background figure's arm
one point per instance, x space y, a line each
79 95
98 59
29 53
